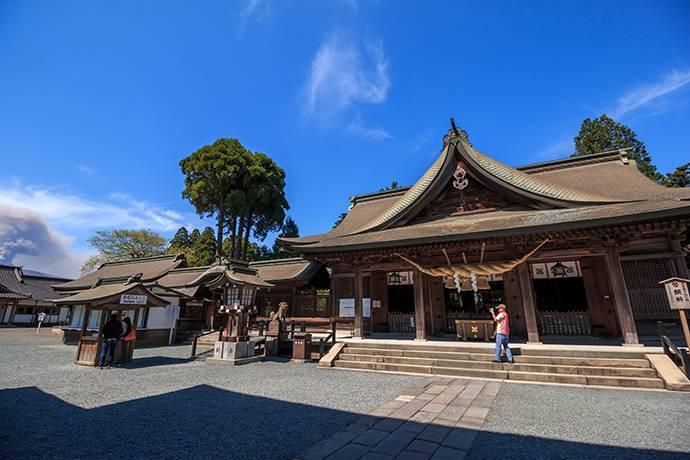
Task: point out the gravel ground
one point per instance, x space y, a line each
537 421
163 406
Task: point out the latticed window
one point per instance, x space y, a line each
247 293
647 296
233 295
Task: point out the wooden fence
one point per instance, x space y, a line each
401 322
565 323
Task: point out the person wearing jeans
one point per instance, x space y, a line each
111 333
502 333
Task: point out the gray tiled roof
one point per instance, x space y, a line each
285 269
14 284
150 268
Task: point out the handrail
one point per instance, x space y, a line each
324 340
677 354
197 336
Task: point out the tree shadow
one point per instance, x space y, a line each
205 421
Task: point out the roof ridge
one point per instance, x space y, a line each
379 194
579 160
147 258
283 261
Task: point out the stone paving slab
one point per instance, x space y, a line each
439 420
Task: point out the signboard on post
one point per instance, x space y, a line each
133 299
677 293
679 299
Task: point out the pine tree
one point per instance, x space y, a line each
604 133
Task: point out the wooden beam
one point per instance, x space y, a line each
621 299
528 305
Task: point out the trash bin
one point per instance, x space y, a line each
301 347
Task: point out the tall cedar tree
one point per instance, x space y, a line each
205 248
122 244
212 173
604 133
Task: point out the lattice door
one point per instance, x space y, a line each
647 296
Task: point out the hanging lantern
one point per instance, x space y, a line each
394 278
473 280
483 283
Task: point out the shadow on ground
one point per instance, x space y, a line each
204 421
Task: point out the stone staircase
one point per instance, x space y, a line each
607 368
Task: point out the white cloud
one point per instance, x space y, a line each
357 128
557 149
69 212
256 10
646 94
86 169
346 72
26 239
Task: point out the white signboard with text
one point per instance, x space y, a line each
347 308
366 308
132 299
678 294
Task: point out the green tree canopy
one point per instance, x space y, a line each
212 173
182 239
604 133
122 244
243 189
678 178
204 248
340 218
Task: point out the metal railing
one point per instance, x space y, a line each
677 354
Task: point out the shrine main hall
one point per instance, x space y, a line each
573 247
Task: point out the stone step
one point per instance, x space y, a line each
489 365
633 382
518 348
522 359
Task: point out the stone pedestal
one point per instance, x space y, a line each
233 353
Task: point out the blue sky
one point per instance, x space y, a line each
100 100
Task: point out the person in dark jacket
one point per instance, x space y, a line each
112 330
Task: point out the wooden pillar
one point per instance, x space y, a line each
331 299
437 305
683 272
529 307
359 313
621 299
419 301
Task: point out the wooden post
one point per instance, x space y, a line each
419 297
621 299
528 304
359 313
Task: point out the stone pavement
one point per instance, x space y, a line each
438 420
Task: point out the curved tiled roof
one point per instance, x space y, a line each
530 183
412 194
285 269
150 268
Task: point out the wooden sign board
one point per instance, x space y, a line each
677 293
132 299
